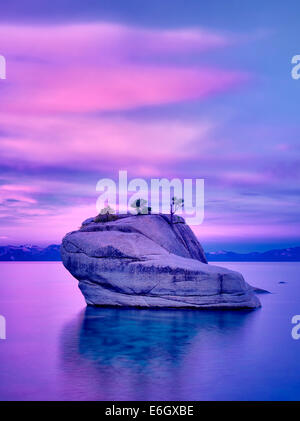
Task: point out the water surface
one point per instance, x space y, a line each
57 349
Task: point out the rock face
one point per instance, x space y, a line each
145 261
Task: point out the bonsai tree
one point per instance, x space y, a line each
140 206
174 206
106 214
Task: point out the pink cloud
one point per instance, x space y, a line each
243 230
93 140
45 226
106 41
18 188
82 68
246 177
96 88
7 195
54 71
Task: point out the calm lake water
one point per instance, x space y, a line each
57 349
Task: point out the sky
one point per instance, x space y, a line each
161 89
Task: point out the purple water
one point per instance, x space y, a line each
57 349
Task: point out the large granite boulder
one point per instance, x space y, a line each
145 261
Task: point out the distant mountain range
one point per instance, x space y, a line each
279 255
51 253
30 253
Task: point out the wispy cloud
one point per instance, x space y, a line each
73 107
83 68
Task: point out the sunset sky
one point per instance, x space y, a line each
161 89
